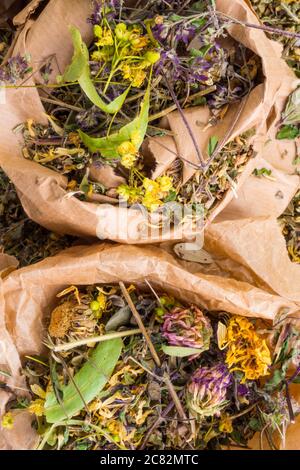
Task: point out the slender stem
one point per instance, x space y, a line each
268 29
157 423
94 339
228 133
289 403
292 378
173 107
175 397
174 97
62 104
140 323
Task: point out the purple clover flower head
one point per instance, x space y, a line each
187 327
16 69
206 392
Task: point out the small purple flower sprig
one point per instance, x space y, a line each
15 69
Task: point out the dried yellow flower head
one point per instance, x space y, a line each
61 319
246 351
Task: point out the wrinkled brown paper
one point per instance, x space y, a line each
43 191
29 294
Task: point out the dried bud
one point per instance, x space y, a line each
187 327
206 392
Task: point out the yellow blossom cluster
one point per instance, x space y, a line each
127 49
151 194
246 351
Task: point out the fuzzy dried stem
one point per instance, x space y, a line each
94 339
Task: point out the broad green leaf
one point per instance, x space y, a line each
212 145
108 145
79 70
90 380
288 132
180 351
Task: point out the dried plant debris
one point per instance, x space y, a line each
20 236
283 14
144 62
129 369
290 222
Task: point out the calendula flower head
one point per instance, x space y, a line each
246 351
165 183
206 391
7 421
104 36
187 327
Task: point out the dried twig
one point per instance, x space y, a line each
93 339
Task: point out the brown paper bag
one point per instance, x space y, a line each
43 191
28 296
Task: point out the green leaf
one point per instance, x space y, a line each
84 185
262 172
90 380
291 114
108 145
288 132
180 351
79 70
212 145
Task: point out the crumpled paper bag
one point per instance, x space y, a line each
43 191
28 296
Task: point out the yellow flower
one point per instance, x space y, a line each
101 299
104 35
136 138
121 32
124 191
132 195
151 186
128 160
138 42
138 78
37 407
151 202
126 148
134 74
246 351
152 57
7 421
128 154
226 425
165 183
